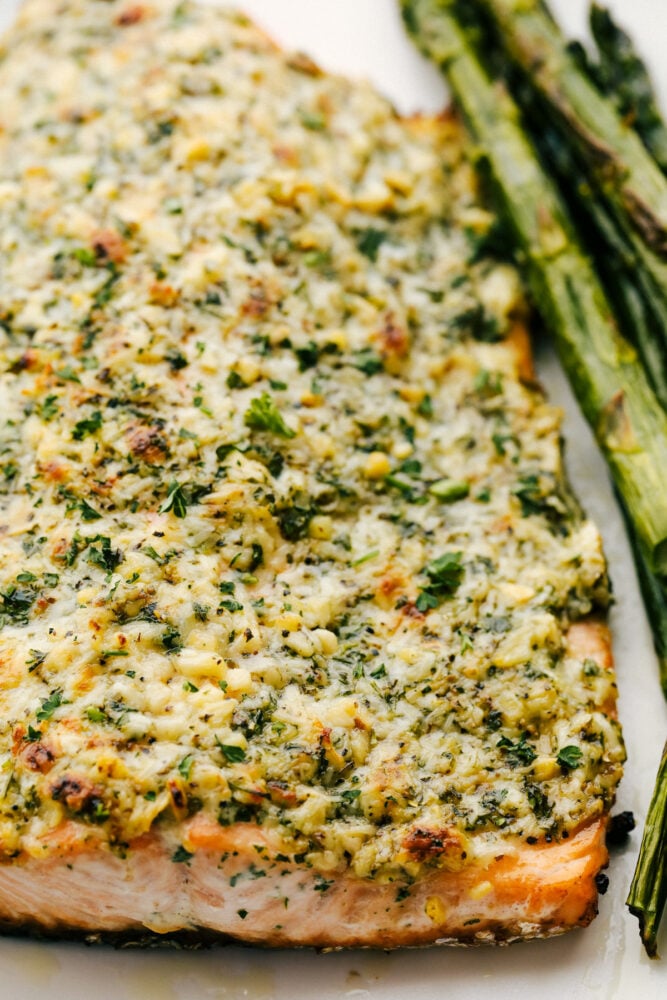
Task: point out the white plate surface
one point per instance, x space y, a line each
364 38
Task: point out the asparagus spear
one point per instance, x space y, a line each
654 593
639 302
614 152
607 377
623 70
626 176
629 287
622 75
632 274
648 892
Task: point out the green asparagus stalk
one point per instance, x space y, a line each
639 303
620 75
648 892
625 174
608 379
637 273
613 151
654 593
629 287
623 76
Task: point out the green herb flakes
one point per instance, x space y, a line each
445 575
264 415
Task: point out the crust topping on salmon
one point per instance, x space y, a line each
295 601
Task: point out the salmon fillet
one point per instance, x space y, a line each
302 631
529 892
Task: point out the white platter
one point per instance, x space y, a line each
605 962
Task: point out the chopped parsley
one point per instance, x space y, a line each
231 753
35 659
234 381
569 757
368 362
48 707
176 360
264 415
181 855
48 409
67 374
307 356
369 242
517 753
176 501
425 408
444 574
171 639
101 554
185 766
87 512
294 519
536 496
479 324
15 605
230 605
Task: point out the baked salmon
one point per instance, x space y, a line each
302 630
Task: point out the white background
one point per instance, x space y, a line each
605 962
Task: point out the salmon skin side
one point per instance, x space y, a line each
302 630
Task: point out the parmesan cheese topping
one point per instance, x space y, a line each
283 536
